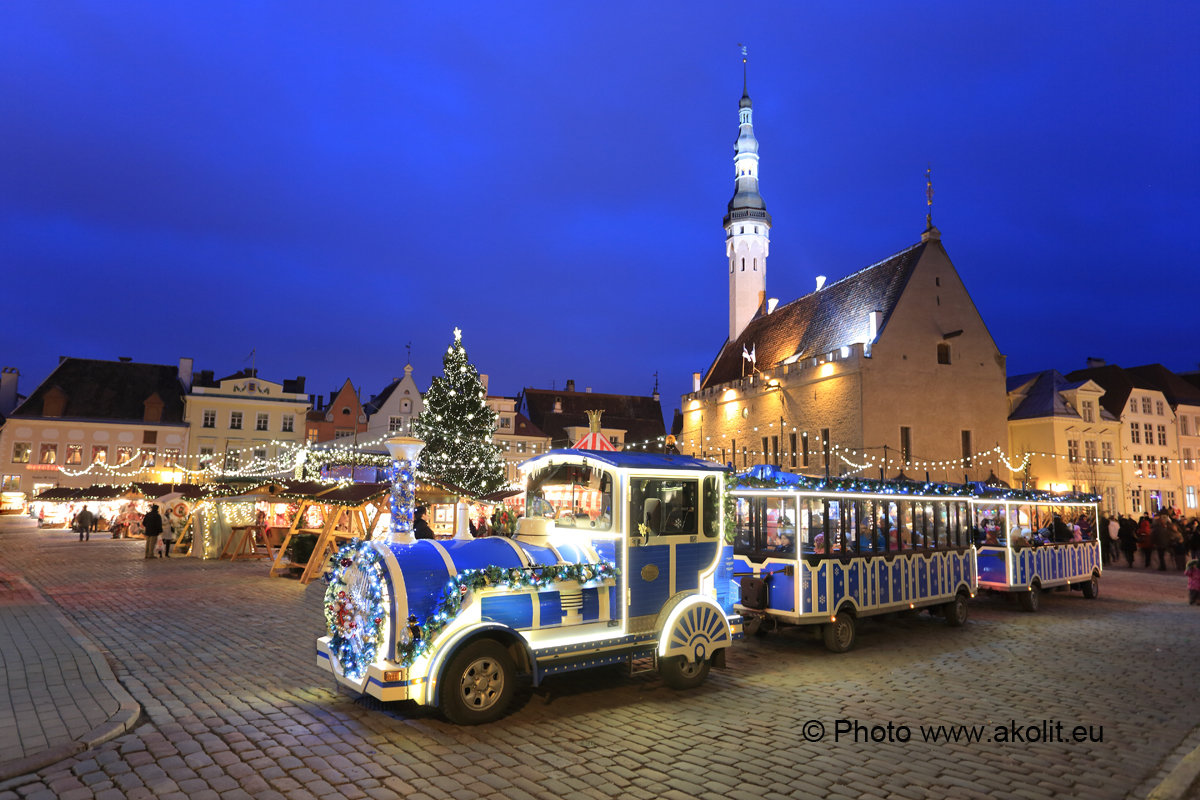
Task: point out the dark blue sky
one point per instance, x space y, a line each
325 183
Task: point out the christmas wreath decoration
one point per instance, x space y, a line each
355 607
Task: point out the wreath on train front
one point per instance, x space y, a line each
355 607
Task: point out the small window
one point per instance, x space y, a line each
235 420
1158 407
149 437
21 451
74 454
289 423
1145 405
1087 410
1135 433
49 454
124 455
1162 435
261 421
345 412
943 352
210 418
905 444
395 424
1073 451
206 456
170 457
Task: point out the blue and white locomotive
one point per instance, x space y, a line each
615 562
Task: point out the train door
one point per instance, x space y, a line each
667 548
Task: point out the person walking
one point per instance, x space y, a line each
1114 539
1144 541
168 535
83 524
1128 538
1160 539
152 526
1193 576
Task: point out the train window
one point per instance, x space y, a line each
766 527
663 506
904 526
712 508
811 525
572 495
872 527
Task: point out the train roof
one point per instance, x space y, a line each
770 477
636 461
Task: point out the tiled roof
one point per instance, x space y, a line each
97 389
819 322
640 417
523 427
373 405
1044 398
1177 390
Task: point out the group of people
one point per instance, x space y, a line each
1172 538
152 525
422 530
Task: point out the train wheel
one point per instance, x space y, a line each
839 634
478 684
1091 589
679 673
1031 599
956 611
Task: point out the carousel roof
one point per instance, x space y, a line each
594 441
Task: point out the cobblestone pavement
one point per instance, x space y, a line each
221 658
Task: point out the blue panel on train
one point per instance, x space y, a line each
935 574
852 582
590 610
838 590
614 612
513 610
822 587
605 548
480 553
898 582
550 610
806 585
538 555
649 579
726 596
571 553
690 559
881 580
781 591
425 575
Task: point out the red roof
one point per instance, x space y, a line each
594 441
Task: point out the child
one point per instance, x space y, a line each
1193 576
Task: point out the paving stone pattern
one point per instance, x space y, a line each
221 657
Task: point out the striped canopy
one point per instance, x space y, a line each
594 441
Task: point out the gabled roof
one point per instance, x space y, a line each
523 427
373 405
116 390
820 322
205 379
1177 390
1116 382
1044 396
640 417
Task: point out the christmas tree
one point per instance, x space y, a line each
456 426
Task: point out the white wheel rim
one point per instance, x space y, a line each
482 683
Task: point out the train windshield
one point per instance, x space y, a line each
573 495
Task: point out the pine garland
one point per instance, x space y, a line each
454 593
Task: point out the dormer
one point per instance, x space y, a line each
152 408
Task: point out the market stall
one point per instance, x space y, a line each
333 515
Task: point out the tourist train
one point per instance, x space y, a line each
657 562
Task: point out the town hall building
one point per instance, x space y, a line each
891 367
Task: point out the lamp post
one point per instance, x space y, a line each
405 451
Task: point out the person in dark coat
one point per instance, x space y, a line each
1060 530
152 526
1127 535
1160 538
421 529
83 523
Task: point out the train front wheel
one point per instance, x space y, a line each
679 673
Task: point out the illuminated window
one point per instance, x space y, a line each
21 451
49 454
1191 497
313 435
100 454
170 456
505 423
206 456
74 454
149 457
1138 466
1151 466
1166 469
210 418
235 420
233 460
10 483
261 421
124 454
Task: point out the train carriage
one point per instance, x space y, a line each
808 551
1031 541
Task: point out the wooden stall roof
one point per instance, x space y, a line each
188 491
58 494
502 494
354 494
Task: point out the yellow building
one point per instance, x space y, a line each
1061 438
243 424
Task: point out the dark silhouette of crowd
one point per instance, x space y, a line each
1164 538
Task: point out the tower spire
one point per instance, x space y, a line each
747 223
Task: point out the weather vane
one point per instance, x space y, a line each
408 347
929 198
743 47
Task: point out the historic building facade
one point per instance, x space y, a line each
890 368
